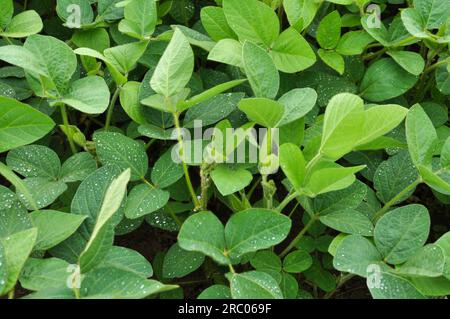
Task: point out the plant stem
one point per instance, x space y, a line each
11 294
286 201
76 292
342 280
65 119
435 66
205 183
297 238
111 107
185 167
150 143
394 200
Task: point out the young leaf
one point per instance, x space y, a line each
252 20
293 164
262 111
81 97
228 51
402 232
20 124
175 67
333 59
204 232
329 31
24 24
215 23
140 19
421 136
291 52
253 230
261 71
229 180
297 261
297 103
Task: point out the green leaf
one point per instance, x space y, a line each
384 80
143 200
77 167
42 190
140 19
24 24
109 10
129 99
410 61
228 51
203 232
229 180
6 12
349 221
82 98
166 172
297 103
179 262
421 136
355 254
394 175
289 286
353 43
114 283
54 227
174 69
215 23
21 57
111 203
429 261
215 292
394 287
16 248
331 179
329 31
43 274
128 260
13 215
333 59
439 286
402 232
444 243
255 229
254 285
120 150
293 164
20 124
262 111
297 261
56 57
95 39
252 20
89 196
414 23
291 52
212 110
266 260
342 124
438 182
34 161
261 71
124 57
433 12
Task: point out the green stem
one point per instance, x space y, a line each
111 107
76 292
205 183
185 167
395 200
174 216
65 119
286 201
342 280
11 294
150 143
435 66
25 5
297 238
